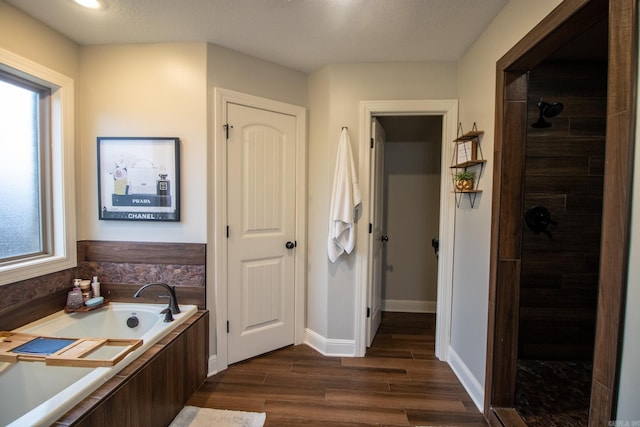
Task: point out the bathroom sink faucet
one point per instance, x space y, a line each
173 300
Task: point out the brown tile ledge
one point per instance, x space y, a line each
81 414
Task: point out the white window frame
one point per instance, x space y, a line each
62 203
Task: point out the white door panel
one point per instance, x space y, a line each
377 220
261 214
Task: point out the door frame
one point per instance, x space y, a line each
448 109
217 225
562 24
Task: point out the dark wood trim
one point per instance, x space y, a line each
142 252
570 18
616 217
508 417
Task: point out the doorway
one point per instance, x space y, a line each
564 24
446 110
411 211
562 199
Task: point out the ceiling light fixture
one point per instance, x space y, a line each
91 4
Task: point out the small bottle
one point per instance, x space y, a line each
95 287
85 288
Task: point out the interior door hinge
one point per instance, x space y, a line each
370 228
227 326
226 127
227 231
368 312
371 142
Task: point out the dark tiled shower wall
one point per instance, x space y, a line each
564 172
121 267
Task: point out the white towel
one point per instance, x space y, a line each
345 200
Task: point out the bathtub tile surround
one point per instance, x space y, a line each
140 273
179 264
38 287
121 267
25 301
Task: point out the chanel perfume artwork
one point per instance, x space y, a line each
138 179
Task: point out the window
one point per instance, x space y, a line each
23 168
37 192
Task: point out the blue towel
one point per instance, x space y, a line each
44 346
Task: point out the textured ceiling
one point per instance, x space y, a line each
301 34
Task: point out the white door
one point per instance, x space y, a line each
377 236
261 172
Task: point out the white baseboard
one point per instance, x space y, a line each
468 381
330 347
327 347
409 306
212 367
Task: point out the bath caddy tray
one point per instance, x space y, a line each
84 308
56 351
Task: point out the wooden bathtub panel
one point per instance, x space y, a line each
152 391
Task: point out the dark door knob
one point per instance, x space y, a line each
290 245
384 238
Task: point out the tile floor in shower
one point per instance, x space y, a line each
553 393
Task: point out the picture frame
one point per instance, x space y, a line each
466 151
138 178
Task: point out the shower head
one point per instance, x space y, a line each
552 109
547 110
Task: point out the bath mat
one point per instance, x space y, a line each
191 416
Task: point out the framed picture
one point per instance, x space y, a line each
466 151
139 179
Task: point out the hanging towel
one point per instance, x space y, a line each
345 200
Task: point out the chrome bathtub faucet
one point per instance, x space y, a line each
173 300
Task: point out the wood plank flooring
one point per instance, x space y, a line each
398 383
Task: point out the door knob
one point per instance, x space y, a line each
384 238
290 245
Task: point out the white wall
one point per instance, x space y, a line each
164 90
476 94
334 95
232 70
145 90
412 209
24 36
629 388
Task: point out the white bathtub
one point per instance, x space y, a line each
33 394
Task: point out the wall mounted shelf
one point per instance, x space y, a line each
467 158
